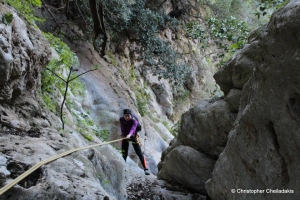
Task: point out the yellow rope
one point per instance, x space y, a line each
35 167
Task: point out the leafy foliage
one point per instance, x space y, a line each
265 6
7 18
175 129
25 8
53 77
65 60
227 32
102 134
194 30
143 25
181 95
139 24
142 97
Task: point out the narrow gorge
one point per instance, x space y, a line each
230 132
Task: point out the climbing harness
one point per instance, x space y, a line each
35 167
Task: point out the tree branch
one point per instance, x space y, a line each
82 74
65 96
161 4
47 8
55 74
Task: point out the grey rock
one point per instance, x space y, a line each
239 69
262 148
234 97
202 137
163 94
205 127
24 53
187 166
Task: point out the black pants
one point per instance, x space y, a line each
137 149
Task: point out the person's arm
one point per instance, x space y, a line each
133 128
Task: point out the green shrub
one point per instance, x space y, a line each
228 33
194 30
62 65
267 6
175 129
25 8
88 137
102 134
181 95
143 26
113 59
141 105
166 124
7 18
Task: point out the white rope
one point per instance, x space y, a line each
35 167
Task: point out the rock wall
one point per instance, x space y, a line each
258 114
23 54
261 152
28 134
201 138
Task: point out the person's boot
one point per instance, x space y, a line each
147 172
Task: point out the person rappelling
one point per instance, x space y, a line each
129 129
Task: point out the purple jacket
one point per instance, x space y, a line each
128 127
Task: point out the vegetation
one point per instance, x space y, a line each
86 126
131 19
52 76
25 8
181 95
7 18
58 74
166 124
267 6
142 97
194 30
175 129
229 34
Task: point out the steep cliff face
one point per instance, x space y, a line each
261 152
30 134
258 114
260 102
23 55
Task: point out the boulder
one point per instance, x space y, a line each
205 127
187 166
190 158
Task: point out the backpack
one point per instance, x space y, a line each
139 127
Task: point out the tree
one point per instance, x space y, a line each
133 21
67 82
99 26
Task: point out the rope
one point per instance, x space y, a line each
145 142
35 167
